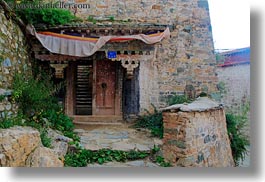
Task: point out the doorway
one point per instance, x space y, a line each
94 90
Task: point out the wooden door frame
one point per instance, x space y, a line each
94 89
70 84
70 89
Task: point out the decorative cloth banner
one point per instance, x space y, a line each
83 46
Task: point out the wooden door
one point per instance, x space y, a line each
105 87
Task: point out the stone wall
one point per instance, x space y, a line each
195 135
236 81
13 59
186 61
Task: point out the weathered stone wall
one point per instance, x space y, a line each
185 61
13 59
236 81
195 135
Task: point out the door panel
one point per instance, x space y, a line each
105 87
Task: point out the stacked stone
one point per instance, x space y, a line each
7 108
13 59
185 63
196 136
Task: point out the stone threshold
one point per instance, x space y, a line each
98 119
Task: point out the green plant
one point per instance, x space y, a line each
111 18
46 141
220 93
48 16
203 94
38 104
12 121
161 161
219 57
6 124
34 94
178 99
134 155
83 157
90 18
2 97
238 141
153 122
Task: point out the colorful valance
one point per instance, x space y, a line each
85 46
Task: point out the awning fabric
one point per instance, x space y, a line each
84 46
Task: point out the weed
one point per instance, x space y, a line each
161 161
153 122
46 141
238 140
178 99
2 98
38 107
83 157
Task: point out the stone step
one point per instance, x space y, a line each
98 123
97 119
137 163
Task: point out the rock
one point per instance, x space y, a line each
8 106
58 136
158 142
60 148
123 146
16 144
59 142
141 147
109 164
5 92
2 160
43 157
150 164
200 104
139 163
2 108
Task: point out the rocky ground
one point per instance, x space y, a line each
117 137
125 138
21 146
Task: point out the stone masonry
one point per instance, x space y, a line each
195 135
182 64
236 80
13 59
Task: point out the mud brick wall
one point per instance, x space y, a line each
13 59
196 137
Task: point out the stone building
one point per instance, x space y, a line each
124 78
234 72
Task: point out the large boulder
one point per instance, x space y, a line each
16 144
22 147
43 157
59 142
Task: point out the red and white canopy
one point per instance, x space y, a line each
85 46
